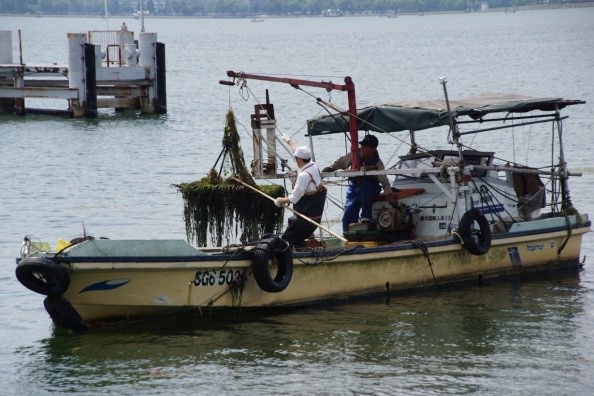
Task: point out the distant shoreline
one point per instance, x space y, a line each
499 9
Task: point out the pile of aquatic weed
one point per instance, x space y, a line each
223 208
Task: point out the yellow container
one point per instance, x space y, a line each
62 244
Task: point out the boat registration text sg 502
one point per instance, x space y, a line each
211 278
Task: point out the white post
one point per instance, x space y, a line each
257 149
128 48
146 44
19 79
131 55
76 71
5 46
148 57
270 166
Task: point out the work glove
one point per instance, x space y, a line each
278 203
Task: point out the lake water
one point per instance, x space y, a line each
531 336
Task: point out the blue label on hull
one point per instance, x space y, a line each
514 256
492 209
106 285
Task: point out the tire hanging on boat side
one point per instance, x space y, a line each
42 276
278 250
63 314
476 241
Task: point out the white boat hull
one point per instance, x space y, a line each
177 286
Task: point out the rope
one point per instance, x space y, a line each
236 288
244 86
487 197
322 255
423 248
569 232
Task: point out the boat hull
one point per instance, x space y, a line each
126 289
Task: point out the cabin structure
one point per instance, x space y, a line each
105 69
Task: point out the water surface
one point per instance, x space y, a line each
113 175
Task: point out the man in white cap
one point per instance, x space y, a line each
308 198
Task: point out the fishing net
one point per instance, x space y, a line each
223 209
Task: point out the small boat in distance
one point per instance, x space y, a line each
138 14
462 215
332 12
256 19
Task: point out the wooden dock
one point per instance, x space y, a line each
106 69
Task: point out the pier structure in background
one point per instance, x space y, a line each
106 69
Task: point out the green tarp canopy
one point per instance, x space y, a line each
418 115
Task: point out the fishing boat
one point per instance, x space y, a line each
462 215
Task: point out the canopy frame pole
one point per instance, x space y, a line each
464 188
453 128
513 125
565 197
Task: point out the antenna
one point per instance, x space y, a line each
142 16
106 16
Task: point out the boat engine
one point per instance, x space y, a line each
390 217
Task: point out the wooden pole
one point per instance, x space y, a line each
292 210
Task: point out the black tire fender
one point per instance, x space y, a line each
42 276
278 251
63 314
476 241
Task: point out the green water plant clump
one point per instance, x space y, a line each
227 210
224 209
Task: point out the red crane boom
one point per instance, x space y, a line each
348 86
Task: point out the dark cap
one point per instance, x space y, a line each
369 141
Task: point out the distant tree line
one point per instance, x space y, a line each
251 7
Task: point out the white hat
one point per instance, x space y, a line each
302 152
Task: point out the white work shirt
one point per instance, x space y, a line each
309 180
